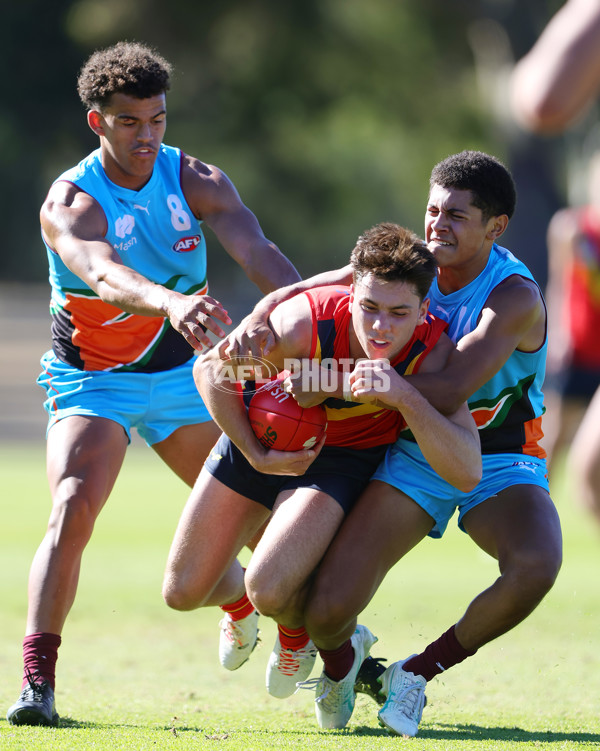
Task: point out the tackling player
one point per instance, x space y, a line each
497 317
129 307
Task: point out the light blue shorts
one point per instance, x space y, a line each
405 468
155 404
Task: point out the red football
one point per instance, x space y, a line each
279 422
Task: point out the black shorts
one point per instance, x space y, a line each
340 472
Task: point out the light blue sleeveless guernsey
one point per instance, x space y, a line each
508 408
154 231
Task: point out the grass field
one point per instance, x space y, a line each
134 675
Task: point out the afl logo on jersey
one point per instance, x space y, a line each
186 244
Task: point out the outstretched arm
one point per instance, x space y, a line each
560 76
254 336
214 199
74 226
514 317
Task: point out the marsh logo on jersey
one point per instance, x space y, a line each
124 225
186 244
491 413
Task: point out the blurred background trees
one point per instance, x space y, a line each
327 114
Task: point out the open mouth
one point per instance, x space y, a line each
379 343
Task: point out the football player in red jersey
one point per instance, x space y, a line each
380 321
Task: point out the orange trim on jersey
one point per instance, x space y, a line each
107 337
533 434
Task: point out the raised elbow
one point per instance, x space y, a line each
545 117
536 109
468 470
469 481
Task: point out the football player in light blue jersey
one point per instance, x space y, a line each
497 317
129 309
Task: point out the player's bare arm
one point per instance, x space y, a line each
449 443
75 226
562 237
560 75
252 336
292 327
514 317
214 199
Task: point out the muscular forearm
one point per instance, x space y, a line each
272 300
270 270
128 290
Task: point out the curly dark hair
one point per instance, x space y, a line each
394 254
126 67
491 184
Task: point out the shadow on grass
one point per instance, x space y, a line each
516 735
440 732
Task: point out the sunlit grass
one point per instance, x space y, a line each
134 675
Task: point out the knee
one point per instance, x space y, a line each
175 597
177 592
267 604
184 587
325 617
73 515
534 573
266 597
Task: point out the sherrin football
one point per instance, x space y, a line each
280 423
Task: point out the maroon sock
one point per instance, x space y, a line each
40 653
338 662
438 656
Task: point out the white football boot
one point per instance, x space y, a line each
334 701
287 667
403 707
238 639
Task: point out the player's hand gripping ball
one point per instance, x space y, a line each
280 423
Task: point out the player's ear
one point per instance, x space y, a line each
351 298
95 122
423 308
496 226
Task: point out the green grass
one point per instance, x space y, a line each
134 675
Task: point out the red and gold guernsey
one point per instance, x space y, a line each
360 425
582 302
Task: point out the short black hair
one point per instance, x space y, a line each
126 67
491 184
394 254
